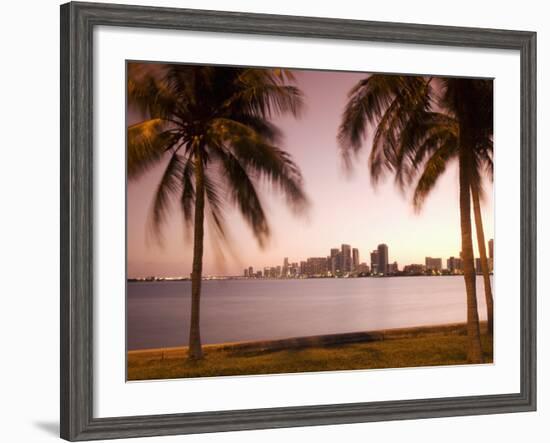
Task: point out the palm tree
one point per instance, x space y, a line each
212 126
444 143
484 160
439 135
470 100
410 137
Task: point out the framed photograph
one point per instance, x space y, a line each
273 221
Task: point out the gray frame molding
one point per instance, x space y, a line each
77 23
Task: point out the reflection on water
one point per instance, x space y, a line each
235 310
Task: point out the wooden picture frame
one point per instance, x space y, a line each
77 23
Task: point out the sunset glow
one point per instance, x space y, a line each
343 208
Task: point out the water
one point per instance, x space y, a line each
236 310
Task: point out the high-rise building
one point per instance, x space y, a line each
316 266
335 265
433 264
383 259
454 265
250 271
374 262
245 273
355 259
346 258
393 268
285 267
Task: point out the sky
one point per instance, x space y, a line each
344 208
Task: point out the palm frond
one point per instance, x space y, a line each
242 192
384 102
485 154
269 132
383 155
148 91
392 151
476 179
215 205
266 161
220 239
420 139
169 186
147 143
433 170
265 93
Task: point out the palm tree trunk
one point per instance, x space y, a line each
483 258
195 347
474 354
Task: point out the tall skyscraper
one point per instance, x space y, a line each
374 262
334 264
316 266
285 267
250 271
383 259
454 265
346 258
355 259
433 264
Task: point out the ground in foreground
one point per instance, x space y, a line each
430 349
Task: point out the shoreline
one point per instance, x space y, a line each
426 346
304 342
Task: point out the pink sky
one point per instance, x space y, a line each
343 209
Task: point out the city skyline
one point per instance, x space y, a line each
432 264
340 204
452 264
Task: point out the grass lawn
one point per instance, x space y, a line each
429 349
